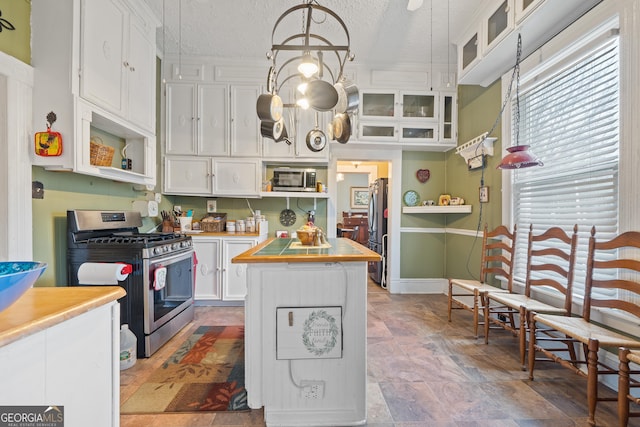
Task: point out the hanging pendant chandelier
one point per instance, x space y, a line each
519 155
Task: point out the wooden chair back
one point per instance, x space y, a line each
551 256
498 254
619 256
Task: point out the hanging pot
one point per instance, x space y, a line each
348 96
316 139
341 128
273 130
269 107
322 96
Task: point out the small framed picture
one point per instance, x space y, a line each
484 194
359 197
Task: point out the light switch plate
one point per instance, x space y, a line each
157 197
211 206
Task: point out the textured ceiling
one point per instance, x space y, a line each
381 31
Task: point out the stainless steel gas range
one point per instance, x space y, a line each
159 300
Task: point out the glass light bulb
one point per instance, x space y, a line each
308 67
303 103
302 87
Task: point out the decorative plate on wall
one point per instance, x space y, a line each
423 175
411 198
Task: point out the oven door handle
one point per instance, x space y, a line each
172 258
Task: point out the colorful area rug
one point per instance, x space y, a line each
205 374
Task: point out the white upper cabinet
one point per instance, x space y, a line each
95 68
413 119
487 48
246 140
117 60
196 122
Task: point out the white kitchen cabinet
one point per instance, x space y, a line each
99 73
72 364
188 175
246 140
117 60
497 23
487 48
234 276
398 105
448 117
217 279
212 176
236 177
197 117
208 272
413 119
207 119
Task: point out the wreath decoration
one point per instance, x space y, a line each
311 325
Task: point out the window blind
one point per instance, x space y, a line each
571 122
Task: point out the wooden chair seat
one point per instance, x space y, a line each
515 301
584 332
474 285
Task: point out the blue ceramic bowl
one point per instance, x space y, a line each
15 278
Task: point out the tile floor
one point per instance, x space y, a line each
422 370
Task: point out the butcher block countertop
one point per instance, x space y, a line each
277 250
41 308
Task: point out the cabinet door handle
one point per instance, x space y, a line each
132 68
126 63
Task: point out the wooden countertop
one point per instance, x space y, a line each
289 250
41 308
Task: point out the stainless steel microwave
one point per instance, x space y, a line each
289 179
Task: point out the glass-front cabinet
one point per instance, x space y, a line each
448 117
398 105
525 7
498 24
405 116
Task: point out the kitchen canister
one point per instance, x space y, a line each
231 226
240 225
128 345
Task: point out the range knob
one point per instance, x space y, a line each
157 250
175 246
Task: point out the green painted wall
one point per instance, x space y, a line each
16 42
422 254
478 108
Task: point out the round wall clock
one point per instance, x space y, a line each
287 217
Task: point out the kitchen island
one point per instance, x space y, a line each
59 346
306 331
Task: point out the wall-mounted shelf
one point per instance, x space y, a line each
472 148
437 209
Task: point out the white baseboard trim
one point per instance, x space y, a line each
419 286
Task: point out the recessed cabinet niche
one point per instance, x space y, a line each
95 69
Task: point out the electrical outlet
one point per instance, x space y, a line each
311 389
212 205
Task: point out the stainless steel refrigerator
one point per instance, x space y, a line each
378 228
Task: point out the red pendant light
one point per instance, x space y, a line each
519 155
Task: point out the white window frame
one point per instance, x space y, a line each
600 21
